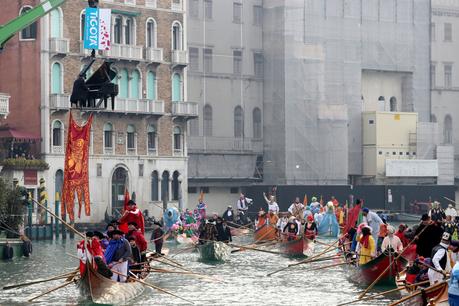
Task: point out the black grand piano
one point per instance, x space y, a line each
90 93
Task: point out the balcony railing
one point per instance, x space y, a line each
59 45
150 3
4 105
154 55
130 2
59 101
224 144
139 106
129 52
176 5
189 109
179 57
58 149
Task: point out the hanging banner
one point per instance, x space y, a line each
76 171
97 24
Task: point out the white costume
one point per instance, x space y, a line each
373 221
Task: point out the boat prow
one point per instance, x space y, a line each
214 251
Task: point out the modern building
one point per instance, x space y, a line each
141 144
225 75
444 69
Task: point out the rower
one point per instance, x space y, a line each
133 214
310 228
140 241
391 241
367 246
136 258
291 229
373 221
117 255
157 237
228 215
296 208
439 259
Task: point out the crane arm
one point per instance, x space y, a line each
21 22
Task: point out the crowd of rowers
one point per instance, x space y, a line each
434 239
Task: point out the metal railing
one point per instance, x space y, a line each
59 45
4 104
150 3
185 109
154 55
130 52
139 106
179 57
59 101
224 144
176 5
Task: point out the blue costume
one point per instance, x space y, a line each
329 225
170 216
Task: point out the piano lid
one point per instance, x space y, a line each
103 74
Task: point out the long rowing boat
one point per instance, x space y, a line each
265 233
433 295
297 248
214 251
102 290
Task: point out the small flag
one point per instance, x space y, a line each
305 200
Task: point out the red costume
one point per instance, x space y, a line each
139 240
133 215
95 248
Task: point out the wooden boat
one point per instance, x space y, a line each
367 273
214 251
102 290
297 248
235 231
433 295
265 233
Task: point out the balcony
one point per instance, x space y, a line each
4 105
186 109
140 106
130 2
59 101
154 55
179 58
150 3
128 52
176 5
59 45
224 144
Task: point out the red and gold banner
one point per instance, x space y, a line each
76 170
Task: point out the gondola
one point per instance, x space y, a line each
367 273
433 295
300 247
214 251
102 290
265 233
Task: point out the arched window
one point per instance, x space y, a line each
154 186
129 32
177 139
82 22
256 123
175 186
31 31
108 137
130 137
135 85
177 40
165 187
448 130
117 30
176 88
151 137
238 122
58 181
57 134
55 17
207 120
56 78
393 104
151 85
151 33
123 84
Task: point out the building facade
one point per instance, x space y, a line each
141 144
444 70
225 75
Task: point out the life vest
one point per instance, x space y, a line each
444 259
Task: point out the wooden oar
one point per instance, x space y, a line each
38 281
71 255
60 219
254 249
263 244
183 269
51 290
418 292
183 250
134 277
384 293
328 266
328 249
391 263
167 258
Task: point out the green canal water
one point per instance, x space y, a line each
244 276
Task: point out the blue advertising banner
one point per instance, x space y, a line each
97 29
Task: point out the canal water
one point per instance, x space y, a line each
244 280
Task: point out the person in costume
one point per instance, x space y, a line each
209 232
449 225
272 204
291 229
329 225
157 236
314 206
310 228
133 214
273 218
366 246
201 207
261 220
228 215
223 231
170 217
140 241
451 211
391 241
334 201
382 234
439 259
453 286
296 209
401 234
136 259
436 213
282 222
117 255
373 221
242 206
427 238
